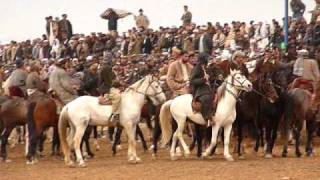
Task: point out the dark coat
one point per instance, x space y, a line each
147 46
113 21
90 83
106 77
198 83
207 43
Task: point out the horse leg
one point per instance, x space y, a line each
111 132
227 133
240 138
198 138
258 139
287 121
95 136
77 141
297 132
55 141
268 153
86 139
4 141
143 141
215 131
131 131
194 138
116 140
156 135
310 129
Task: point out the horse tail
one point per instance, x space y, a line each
166 122
62 128
30 118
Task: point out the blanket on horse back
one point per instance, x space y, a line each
196 105
302 84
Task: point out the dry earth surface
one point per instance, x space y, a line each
105 166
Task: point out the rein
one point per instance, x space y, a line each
145 93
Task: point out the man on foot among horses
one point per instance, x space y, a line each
114 97
60 82
200 85
36 88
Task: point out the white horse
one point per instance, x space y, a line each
86 110
180 109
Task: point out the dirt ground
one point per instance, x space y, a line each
105 166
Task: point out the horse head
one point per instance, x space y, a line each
239 81
267 88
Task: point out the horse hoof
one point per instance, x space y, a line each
268 156
174 158
241 157
151 147
138 160
229 159
310 154
204 155
187 155
82 165
284 155
71 165
154 156
29 162
119 147
132 160
299 155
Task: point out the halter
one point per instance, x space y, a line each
236 96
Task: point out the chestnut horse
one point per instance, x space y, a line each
42 114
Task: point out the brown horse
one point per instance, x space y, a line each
297 110
13 113
42 114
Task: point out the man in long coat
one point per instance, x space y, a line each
61 83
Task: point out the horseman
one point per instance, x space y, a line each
105 75
60 82
36 88
17 80
201 90
305 71
179 73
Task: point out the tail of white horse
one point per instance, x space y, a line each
62 125
166 122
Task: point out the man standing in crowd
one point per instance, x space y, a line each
186 17
65 27
179 73
112 20
60 82
35 86
206 42
142 20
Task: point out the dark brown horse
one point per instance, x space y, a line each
297 111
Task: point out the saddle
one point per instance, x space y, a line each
103 101
302 84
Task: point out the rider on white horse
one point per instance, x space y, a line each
200 85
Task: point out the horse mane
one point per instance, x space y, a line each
137 84
221 90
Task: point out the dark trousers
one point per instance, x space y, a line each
206 101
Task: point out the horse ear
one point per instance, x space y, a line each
231 71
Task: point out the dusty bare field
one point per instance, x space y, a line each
105 166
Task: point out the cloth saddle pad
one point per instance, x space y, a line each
302 84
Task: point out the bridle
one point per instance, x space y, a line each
233 79
155 95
